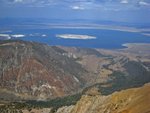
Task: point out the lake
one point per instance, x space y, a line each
108 39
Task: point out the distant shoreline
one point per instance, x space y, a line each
130 45
84 26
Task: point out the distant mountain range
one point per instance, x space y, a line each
23 21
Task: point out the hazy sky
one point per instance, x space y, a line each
114 10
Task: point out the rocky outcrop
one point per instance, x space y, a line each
135 100
65 109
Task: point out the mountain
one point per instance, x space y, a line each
134 100
40 78
36 71
115 70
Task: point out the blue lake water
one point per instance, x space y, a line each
108 39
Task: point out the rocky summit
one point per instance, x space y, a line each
134 100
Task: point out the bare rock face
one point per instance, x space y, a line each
44 110
134 100
65 109
32 70
92 91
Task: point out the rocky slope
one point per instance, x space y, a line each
115 70
135 100
32 70
36 71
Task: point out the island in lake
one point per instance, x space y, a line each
74 36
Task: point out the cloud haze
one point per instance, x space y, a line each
119 10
